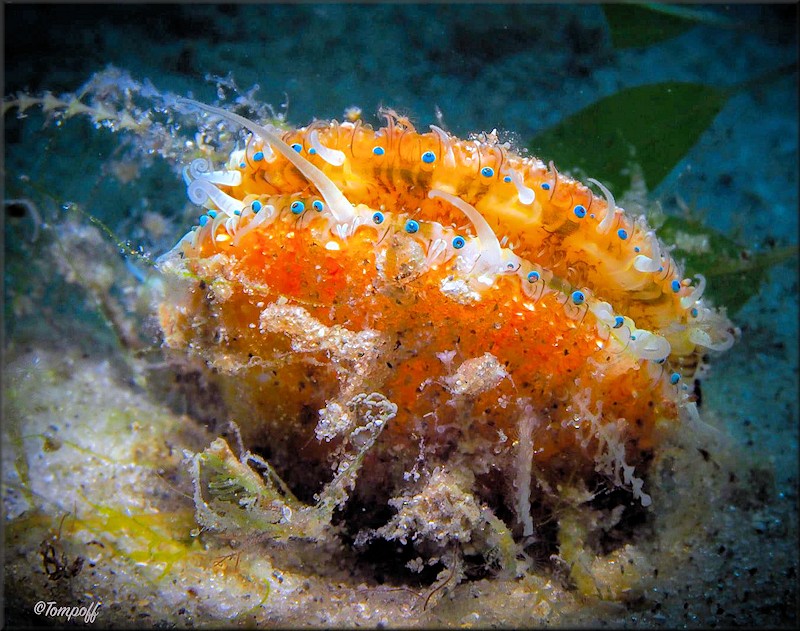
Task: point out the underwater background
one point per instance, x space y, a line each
728 171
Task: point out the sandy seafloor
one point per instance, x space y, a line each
517 68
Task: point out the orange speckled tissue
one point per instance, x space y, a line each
470 286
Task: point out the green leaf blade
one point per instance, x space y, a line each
653 125
634 25
734 274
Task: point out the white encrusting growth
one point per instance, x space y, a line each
610 440
340 207
524 466
334 157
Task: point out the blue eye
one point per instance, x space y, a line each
297 207
618 322
694 313
256 206
412 226
377 217
546 186
258 156
458 243
580 211
676 286
429 157
312 151
622 233
533 276
487 171
318 205
242 165
578 298
378 151
507 179
297 147
212 214
203 220
674 378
